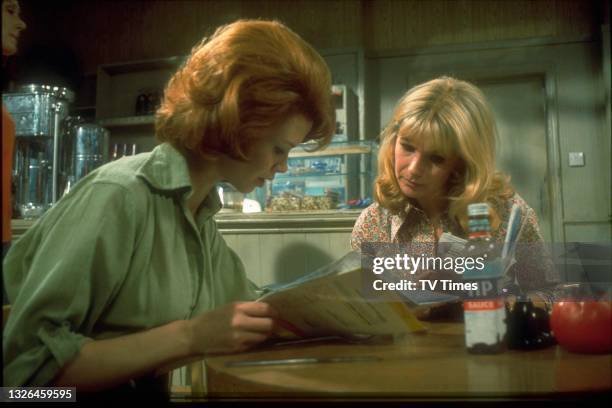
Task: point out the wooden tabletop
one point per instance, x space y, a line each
432 364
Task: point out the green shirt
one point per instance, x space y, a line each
120 253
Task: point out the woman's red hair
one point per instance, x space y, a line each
248 76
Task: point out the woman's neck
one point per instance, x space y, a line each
434 208
203 176
434 211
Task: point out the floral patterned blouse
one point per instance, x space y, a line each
534 269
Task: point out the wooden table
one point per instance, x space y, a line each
434 364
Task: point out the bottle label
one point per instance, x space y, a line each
482 304
484 326
484 288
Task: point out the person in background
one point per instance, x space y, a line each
437 156
127 273
12 26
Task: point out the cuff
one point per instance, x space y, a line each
63 343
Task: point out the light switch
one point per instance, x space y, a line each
576 159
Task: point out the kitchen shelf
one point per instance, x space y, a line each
120 85
127 121
144 65
286 176
85 108
337 148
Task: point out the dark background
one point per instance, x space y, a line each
66 40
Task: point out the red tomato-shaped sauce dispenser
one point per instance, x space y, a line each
583 325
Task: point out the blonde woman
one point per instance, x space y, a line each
128 272
437 156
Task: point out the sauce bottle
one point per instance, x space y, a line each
483 307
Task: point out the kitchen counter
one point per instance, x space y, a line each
267 222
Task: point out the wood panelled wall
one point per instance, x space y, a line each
101 32
398 24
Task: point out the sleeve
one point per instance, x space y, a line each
61 275
230 281
534 268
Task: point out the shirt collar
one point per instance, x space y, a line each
166 170
397 220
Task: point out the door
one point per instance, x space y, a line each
519 106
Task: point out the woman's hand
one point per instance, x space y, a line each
232 328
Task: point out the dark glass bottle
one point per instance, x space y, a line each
528 326
484 309
141 104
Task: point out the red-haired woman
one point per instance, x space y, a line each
128 273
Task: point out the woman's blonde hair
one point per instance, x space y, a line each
248 76
456 119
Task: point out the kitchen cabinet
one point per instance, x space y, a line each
118 87
327 179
